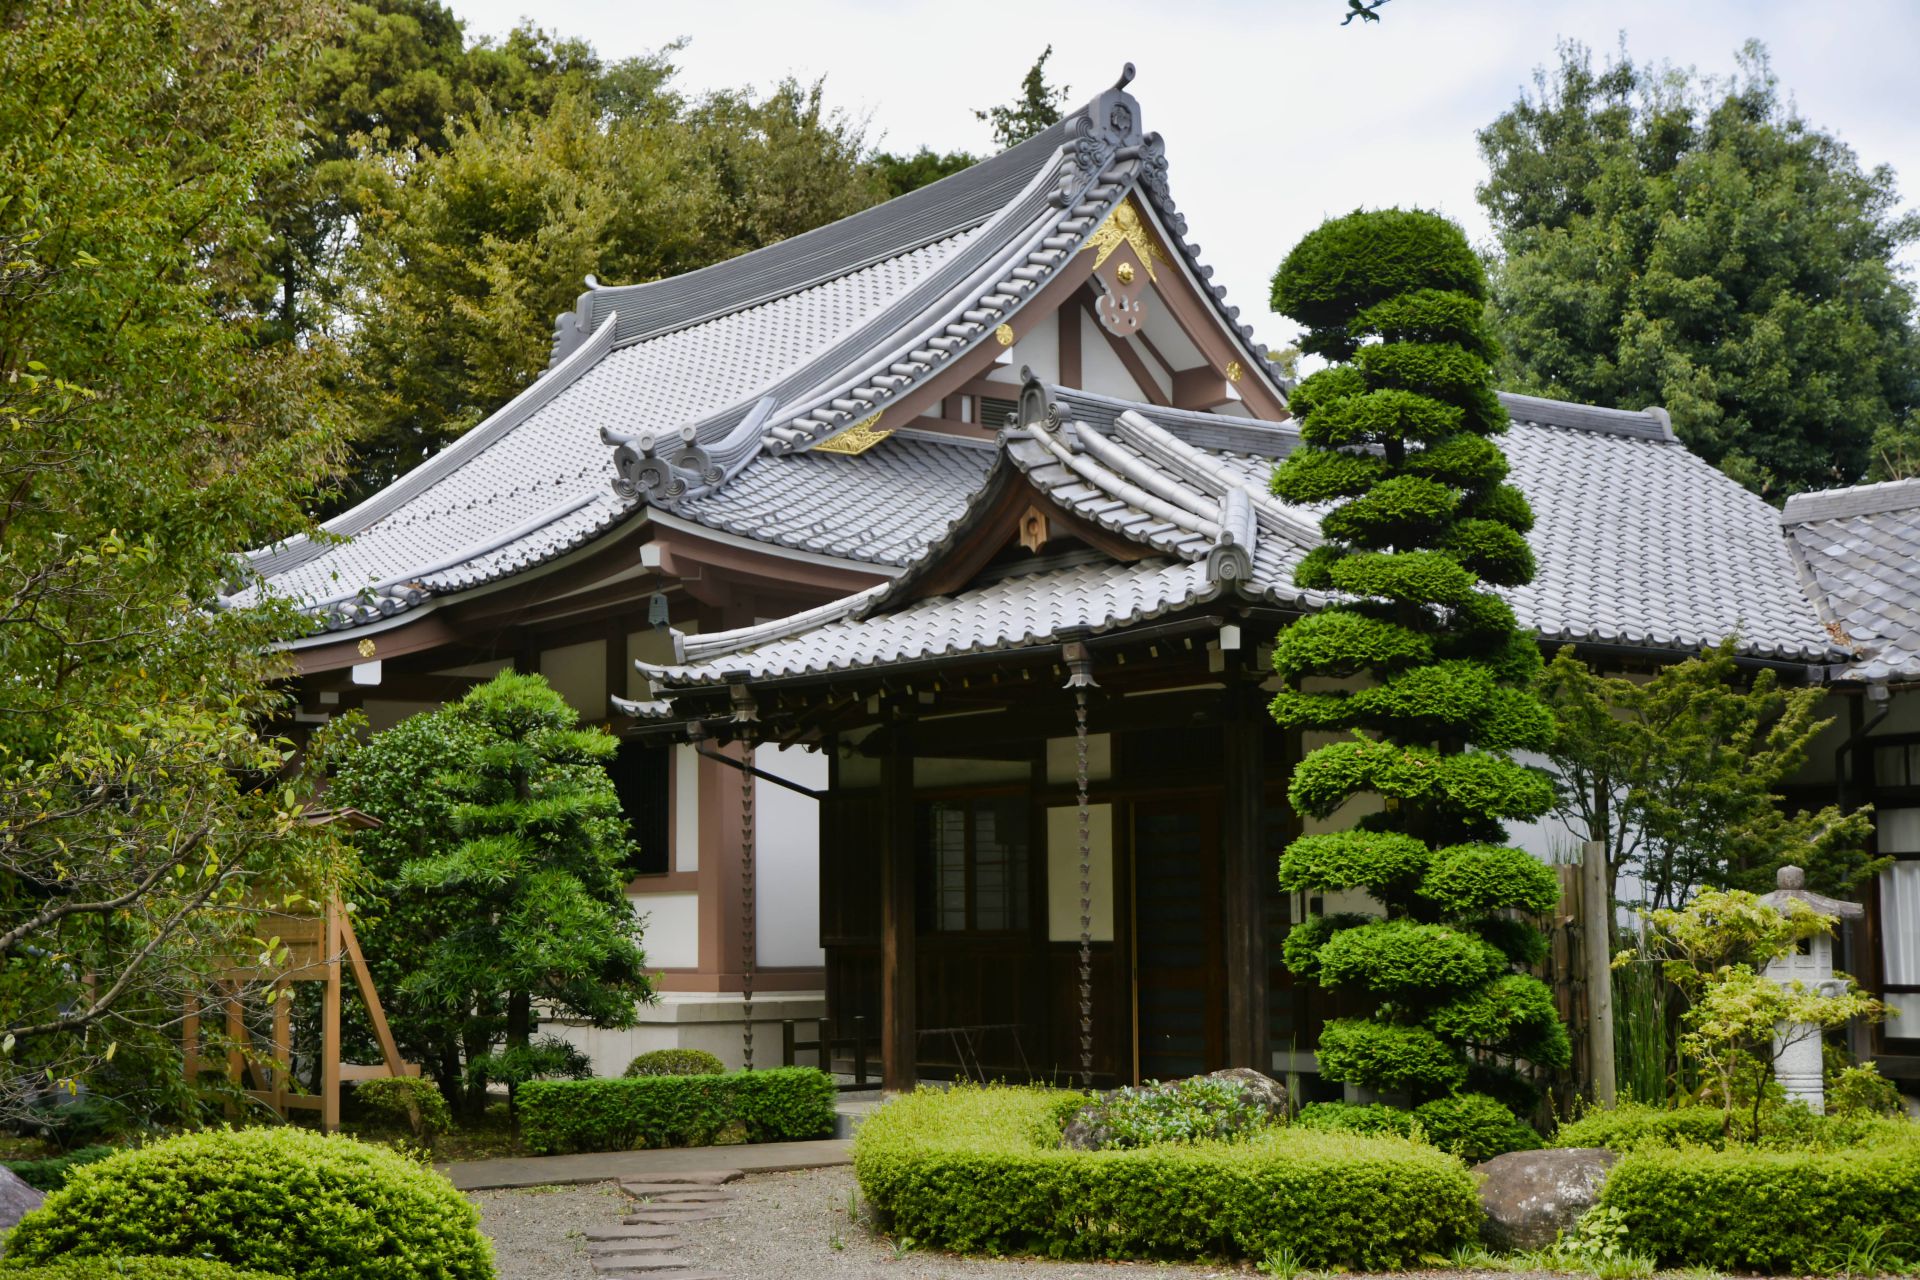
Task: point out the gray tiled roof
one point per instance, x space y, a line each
1862 547
1639 542
712 386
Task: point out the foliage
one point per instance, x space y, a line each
676 1062
1358 1117
1474 1127
1193 1110
148 811
466 252
119 1268
975 1169
904 173
339 1209
1795 1212
1693 242
1715 950
787 1104
545 1058
1036 109
504 839
1680 777
406 1100
1784 1126
1630 1124
1862 1091
1396 435
50 1173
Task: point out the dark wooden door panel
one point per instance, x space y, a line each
1178 964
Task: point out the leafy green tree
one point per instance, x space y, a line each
146 813
1714 952
1695 243
1036 109
902 174
1397 435
498 879
1680 777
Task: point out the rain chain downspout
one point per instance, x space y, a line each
745 715
1080 679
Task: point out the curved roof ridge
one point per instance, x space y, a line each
689 648
1650 423
1854 500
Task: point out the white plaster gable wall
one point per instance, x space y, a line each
787 859
1039 350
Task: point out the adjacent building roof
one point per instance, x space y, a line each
670 395
1639 543
1861 549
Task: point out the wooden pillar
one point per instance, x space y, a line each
1243 890
1596 967
899 1039
330 947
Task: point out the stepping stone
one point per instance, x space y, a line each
661 1275
673 1218
628 1233
601 1248
676 1191
641 1262
668 1206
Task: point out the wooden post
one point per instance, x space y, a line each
282 1044
899 1038
1243 853
330 1020
1596 969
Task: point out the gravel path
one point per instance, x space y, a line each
784 1225
539 1233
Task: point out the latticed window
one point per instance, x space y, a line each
973 868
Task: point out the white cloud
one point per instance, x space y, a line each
1274 115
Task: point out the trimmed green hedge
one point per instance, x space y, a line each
1778 1211
676 1062
1633 1124
980 1169
131 1269
787 1104
50 1172
281 1200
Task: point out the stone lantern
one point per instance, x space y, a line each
1796 1045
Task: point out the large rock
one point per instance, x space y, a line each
17 1199
1085 1132
1530 1197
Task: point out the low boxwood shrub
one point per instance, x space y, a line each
1800 1212
676 1062
410 1102
1633 1124
285 1201
1474 1127
130 1269
787 1104
50 1172
1355 1117
974 1169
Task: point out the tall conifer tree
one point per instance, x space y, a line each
1417 659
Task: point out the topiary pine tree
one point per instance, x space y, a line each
1396 435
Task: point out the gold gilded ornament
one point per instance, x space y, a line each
1234 371
1125 226
366 648
1125 272
856 439
1004 335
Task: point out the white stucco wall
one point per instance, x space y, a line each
670 928
1063 872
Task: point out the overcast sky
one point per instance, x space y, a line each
1274 114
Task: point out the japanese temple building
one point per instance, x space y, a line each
879 512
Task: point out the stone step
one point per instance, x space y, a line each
677 1191
628 1233
658 1244
673 1218
661 1275
641 1263
695 1177
655 1205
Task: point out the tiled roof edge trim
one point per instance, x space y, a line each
1650 423
703 648
452 458
1859 500
1184 460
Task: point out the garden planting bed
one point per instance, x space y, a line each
980 1170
